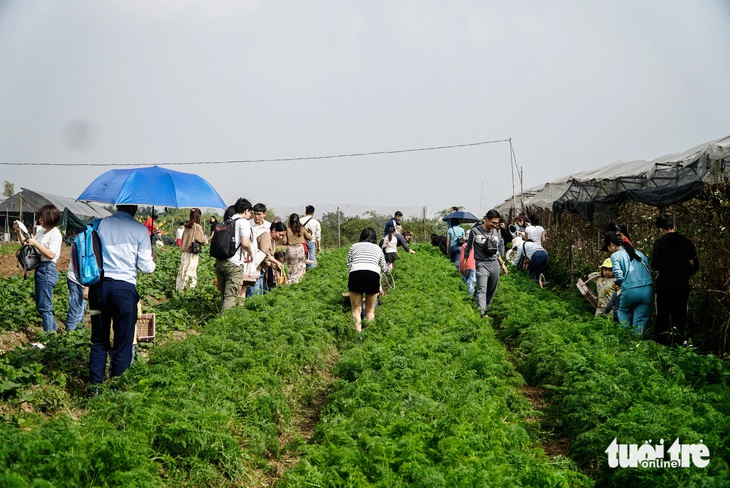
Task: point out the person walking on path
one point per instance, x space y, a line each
126 248
454 240
390 248
229 272
47 241
365 262
187 274
631 272
468 269
314 245
295 239
675 259
484 239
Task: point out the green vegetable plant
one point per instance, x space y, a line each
603 384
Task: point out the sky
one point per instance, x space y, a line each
574 85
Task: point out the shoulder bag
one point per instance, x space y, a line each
29 258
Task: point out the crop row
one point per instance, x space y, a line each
428 399
603 384
215 409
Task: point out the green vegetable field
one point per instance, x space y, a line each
284 392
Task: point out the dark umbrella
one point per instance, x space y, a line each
152 186
462 217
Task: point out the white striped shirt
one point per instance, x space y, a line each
366 256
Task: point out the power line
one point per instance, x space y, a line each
275 160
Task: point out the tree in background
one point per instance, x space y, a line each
9 190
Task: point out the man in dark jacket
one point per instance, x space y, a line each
675 259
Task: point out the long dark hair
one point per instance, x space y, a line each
295 225
368 235
194 218
617 240
617 227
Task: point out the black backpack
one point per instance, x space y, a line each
488 246
223 244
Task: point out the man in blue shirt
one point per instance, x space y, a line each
395 222
113 302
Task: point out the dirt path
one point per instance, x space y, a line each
552 444
9 264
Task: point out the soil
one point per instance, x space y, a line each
552 444
10 340
9 265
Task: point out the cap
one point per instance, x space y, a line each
607 263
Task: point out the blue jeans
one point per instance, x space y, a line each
76 305
118 311
537 264
46 279
258 288
471 281
637 300
455 255
312 253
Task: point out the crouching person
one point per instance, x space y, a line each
113 302
537 257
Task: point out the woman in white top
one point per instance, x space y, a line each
48 242
390 247
535 232
365 261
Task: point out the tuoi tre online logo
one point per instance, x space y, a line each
654 456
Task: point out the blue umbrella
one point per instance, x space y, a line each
462 217
152 186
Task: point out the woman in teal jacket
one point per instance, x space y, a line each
631 271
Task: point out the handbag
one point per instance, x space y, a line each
195 247
29 258
258 257
251 273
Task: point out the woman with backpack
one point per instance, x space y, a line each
193 238
454 240
296 241
484 239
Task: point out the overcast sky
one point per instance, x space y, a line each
575 84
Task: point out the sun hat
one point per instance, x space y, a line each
607 263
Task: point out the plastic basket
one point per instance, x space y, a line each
146 327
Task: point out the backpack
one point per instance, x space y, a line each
86 256
489 247
457 240
223 244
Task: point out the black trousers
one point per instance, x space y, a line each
674 305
